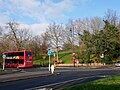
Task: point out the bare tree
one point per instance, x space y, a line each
67 36
18 38
13 35
45 42
112 17
70 36
35 44
96 24
24 37
0 30
55 33
81 25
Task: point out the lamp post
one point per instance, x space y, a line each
72 36
57 57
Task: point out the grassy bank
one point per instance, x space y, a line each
65 57
110 83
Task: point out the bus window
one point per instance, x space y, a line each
15 54
28 54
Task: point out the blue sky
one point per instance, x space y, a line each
93 8
37 14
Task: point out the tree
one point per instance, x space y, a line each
112 43
45 42
96 24
1 30
68 36
86 38
112 17
81 27
55 33
16 37
13 35
35 44
107 41
66 46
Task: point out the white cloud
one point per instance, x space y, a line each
55 10
84 2
3 18
36 29
40 12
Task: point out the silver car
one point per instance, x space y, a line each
117 64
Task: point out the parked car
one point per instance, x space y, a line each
117 64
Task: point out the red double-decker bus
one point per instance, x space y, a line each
19 59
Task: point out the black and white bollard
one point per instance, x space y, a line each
52 69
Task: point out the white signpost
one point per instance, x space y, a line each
49 53
3 56
54 58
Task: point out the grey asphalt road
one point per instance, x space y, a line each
63 77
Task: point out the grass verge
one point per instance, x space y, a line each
110 83
65 57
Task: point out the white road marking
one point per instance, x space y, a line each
43 87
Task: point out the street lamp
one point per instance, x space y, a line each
72 35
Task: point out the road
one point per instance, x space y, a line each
63 77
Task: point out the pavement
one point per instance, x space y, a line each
21 74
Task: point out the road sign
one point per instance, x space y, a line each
49 52
3 56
